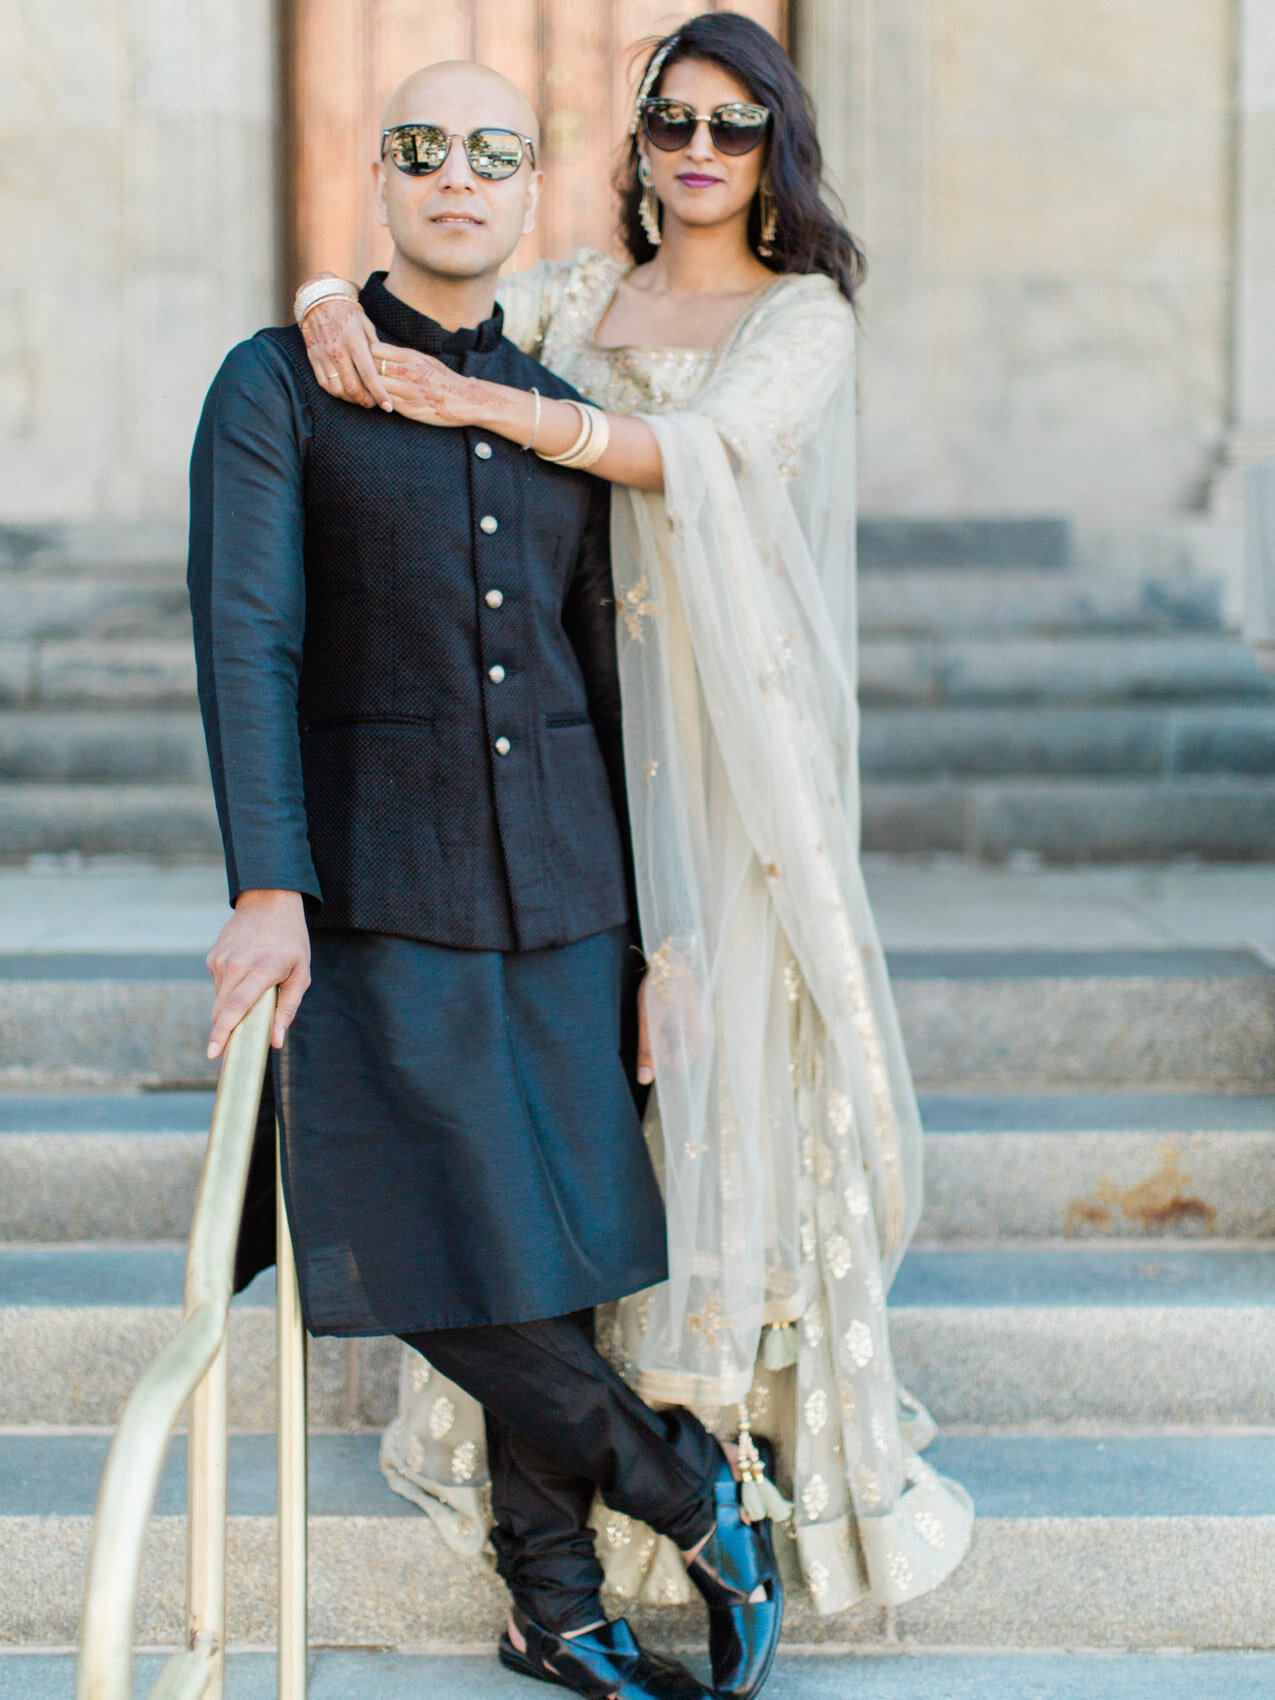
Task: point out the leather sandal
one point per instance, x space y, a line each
735 1562
601 1663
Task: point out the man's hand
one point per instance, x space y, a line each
264 943
645 1061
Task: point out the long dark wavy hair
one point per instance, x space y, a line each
809 237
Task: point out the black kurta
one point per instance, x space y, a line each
407 672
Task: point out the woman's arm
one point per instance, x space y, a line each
424 389
338 335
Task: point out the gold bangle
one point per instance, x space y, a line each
590 445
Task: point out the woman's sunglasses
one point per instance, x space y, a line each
419 149
736 128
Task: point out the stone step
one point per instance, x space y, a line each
79 1325
39 607
126 672
95 744
1142 741
1111 1542
937 602
996 1020
1097 1165
125 1167
1063 819
1067 668
171 822
1111 1335
868 1673
1074 819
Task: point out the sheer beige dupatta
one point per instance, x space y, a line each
783 1124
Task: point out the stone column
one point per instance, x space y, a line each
869 65
1251 434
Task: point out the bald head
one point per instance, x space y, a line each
463 96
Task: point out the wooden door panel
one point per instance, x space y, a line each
572 57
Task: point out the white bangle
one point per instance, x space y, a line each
590 445
322 289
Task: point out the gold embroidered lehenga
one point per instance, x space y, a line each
783 1126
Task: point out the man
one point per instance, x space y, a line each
407 673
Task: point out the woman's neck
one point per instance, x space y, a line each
699 260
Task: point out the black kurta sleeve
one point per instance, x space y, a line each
246 577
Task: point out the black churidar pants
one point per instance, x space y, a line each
561 1424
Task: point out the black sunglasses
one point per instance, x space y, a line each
419 149
736 128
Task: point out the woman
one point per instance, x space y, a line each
783 1122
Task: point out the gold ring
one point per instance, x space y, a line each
334 377
382 368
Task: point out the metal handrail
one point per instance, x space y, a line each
193 1366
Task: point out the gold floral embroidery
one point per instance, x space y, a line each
812 1325
792 980
464 1459
809 1242
651 769
856 1201
816 1410
618 1533
930 1529
845 1396
900 1570
441 1417
814 1496
664 967
414 1453
817 1577
858 1344
840 1257
710 1322
420 1375
840 1114
869 1487
873 1287
636 607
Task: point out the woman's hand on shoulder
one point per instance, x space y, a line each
338 339
423 389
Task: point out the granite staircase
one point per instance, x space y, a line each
1015 700
1089 1311
1024 692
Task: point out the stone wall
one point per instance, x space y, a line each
137 196
1047 195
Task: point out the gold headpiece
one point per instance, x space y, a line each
648 81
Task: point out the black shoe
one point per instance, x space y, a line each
737 1559
600 1663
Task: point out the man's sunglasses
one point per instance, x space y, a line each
419 149
736 128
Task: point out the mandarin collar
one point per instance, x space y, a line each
403 324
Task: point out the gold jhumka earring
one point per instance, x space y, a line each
769 219
649 205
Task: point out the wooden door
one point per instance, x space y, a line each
572 57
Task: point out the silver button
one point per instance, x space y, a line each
483 450
494 598
496 674
503 746
488 523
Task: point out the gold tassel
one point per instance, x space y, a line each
758 1495
769 220
649 206
779 1345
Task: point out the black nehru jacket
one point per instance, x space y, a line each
406 648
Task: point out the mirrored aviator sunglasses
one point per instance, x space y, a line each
736 128
419 149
